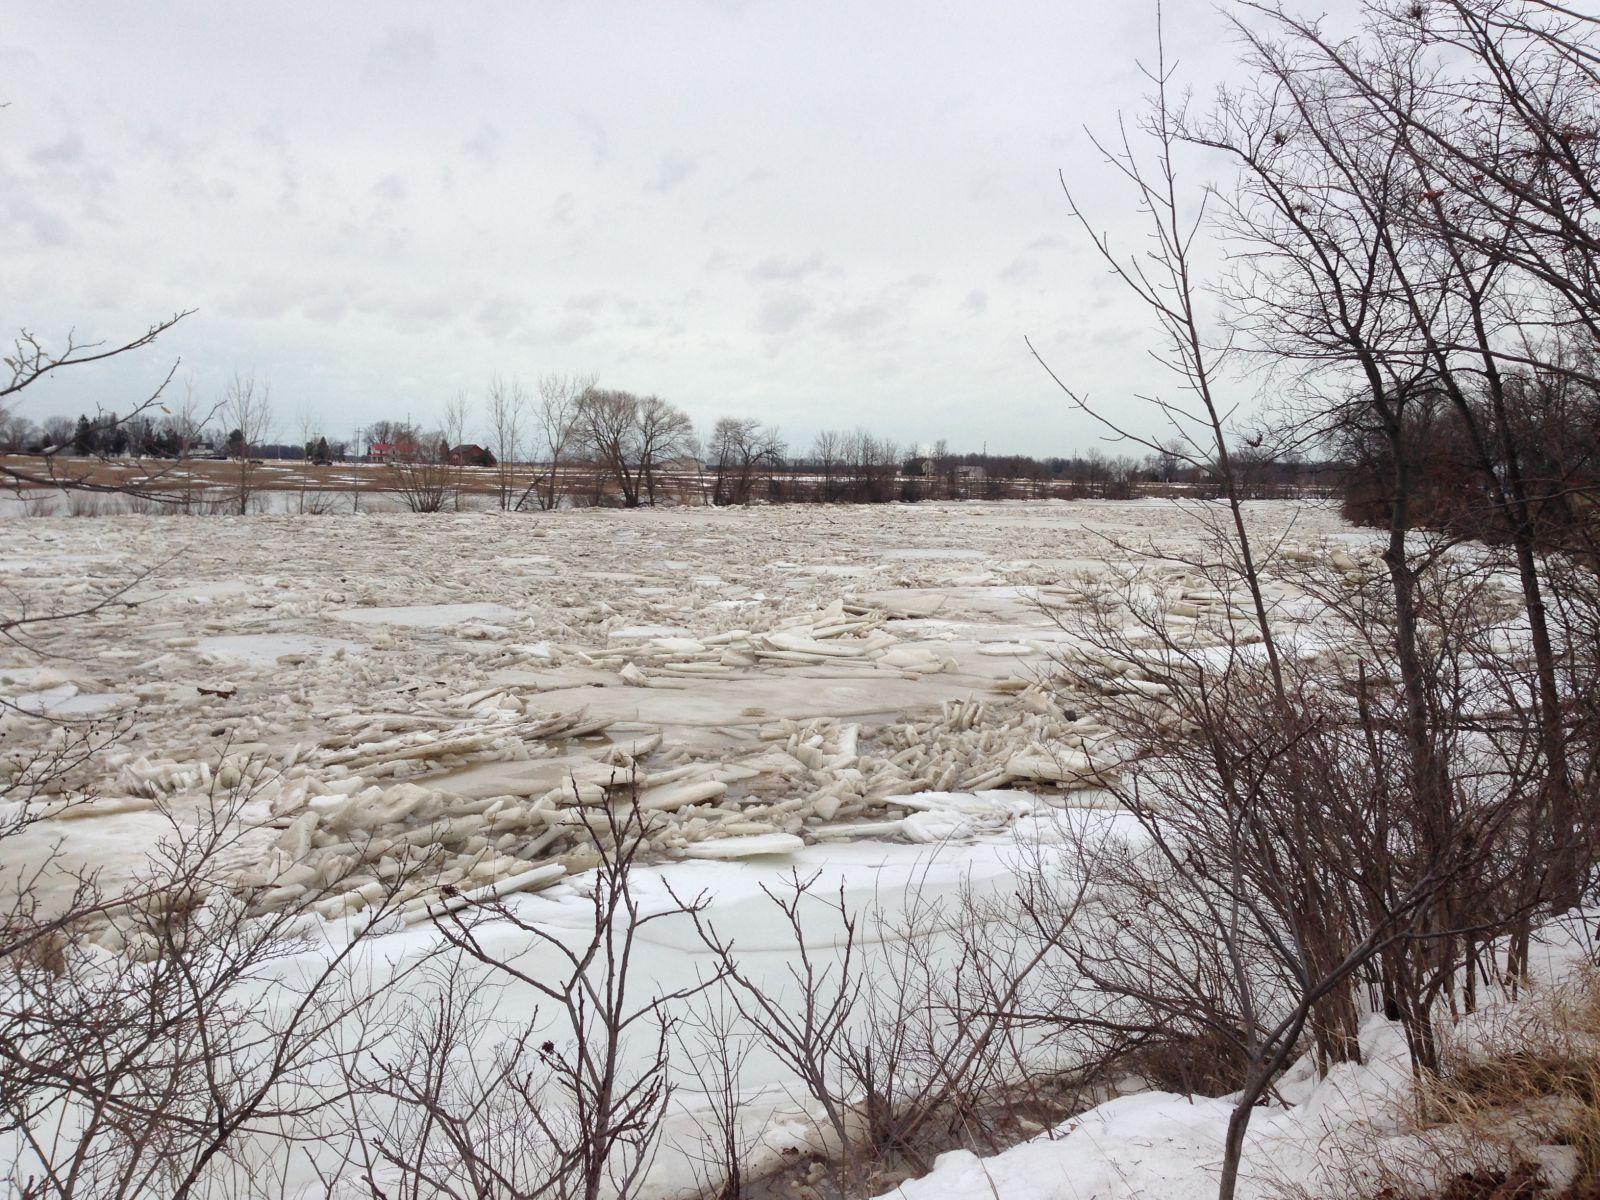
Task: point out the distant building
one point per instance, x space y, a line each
970 474
403 447
470 454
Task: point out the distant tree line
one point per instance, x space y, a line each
569 442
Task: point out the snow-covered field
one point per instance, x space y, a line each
853 693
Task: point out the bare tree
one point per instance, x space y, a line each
315 450
401 435
665 433
632 439
742 449
31 360
608 425
1305 890
508 405
557 420
246 411
825 454
1481 109
456 420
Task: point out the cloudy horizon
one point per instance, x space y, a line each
822 216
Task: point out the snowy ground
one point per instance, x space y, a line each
1351 1133
850 691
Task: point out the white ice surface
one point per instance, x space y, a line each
65 700
268 647
427 616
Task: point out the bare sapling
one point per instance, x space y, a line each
604 1055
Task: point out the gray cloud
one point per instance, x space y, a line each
674 168
402 57
1019 271
41 226
782 313
571 329
65 150
859 320
502 317
391 188
1028 266
262 299
775 269
676 199
483 147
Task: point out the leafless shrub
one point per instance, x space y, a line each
713 1047
152 1036
424 477
449 1103
573 1092
805 1021
79 505
921 1032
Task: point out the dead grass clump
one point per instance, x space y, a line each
1527 1079
1522 1182
1542 1057
1518 1077
1513 1113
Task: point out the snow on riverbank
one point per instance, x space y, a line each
1352 1133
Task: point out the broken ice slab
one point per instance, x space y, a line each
756 845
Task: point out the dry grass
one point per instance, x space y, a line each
1531 1077
1513 1113
1515 1110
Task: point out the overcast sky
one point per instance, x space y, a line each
820 214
